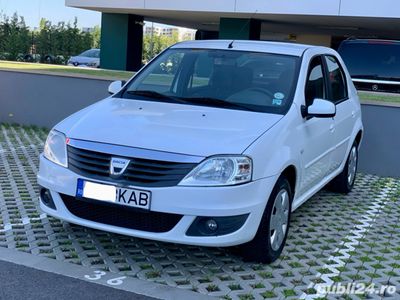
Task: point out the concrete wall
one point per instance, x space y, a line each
44 100
380 152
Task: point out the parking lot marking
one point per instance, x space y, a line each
348 243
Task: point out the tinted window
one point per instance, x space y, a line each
315 86
336 80
372 60
91 53
230 79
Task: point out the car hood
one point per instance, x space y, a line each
176 128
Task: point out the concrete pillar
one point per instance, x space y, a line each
121 42
239 29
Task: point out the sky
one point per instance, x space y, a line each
53 10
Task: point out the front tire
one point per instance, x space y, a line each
271 235
344 182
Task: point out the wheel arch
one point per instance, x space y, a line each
290 172
359 137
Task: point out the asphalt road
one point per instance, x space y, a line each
20 282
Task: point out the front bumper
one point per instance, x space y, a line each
191 202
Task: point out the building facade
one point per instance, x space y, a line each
306 21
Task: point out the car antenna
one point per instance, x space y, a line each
230 46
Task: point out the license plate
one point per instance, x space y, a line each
113 194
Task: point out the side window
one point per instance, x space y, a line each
336 80
162 77
315 85
202 71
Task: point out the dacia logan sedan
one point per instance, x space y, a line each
213 143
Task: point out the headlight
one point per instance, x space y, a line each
55 148
220 171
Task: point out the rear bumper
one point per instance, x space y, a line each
377 85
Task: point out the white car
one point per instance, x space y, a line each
89 58
213 143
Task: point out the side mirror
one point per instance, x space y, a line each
115 87
320 109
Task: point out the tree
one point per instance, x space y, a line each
43 38
15 37
96 36
154 44
57 41
63 40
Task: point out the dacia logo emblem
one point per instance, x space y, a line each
118 166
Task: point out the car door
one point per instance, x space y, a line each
317 133
345 109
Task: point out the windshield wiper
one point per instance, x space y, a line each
154 95
216 102
199 100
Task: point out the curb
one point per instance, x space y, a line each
107 279
60 74
378 103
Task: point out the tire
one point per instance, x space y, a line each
28 58
49 59
268 244
344 182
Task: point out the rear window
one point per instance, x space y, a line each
372 60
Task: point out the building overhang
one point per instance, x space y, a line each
333 17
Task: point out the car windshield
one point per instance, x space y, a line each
372 60
250 81
91 53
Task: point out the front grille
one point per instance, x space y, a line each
120 216
140 172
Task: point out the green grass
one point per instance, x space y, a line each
378 97
57 69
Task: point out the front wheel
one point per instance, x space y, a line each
344 182
271 235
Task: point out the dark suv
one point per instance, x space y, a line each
374 65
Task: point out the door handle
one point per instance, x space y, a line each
332 128
353 114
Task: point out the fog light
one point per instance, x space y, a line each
215 226
212 225
46 198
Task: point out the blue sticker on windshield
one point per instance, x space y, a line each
276 102
279 96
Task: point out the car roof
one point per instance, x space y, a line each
242 45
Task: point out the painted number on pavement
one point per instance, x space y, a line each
99 274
